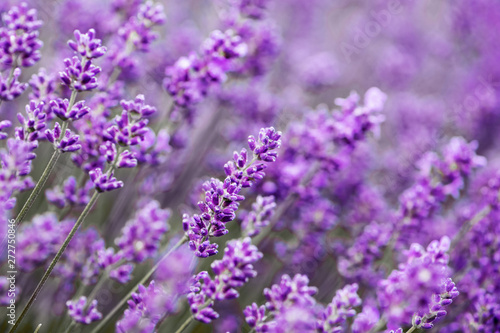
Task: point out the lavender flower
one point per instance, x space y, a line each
3 125
68 143
142 235
69 194
222 198
60 108
33 125
104 182
258 218
190 78
87 45
340 309
12 89
233 271
80 313
19 37
283 298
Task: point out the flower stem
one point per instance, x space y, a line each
70 327
411 329
184 325
38 187
59 253
48 169
124 300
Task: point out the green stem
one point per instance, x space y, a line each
70 327
48 169
124 300
38 328
38 187
59 253
185 325
412 329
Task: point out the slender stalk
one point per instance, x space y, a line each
411 329
48 169
59 253
103 322
38 187
70 327
185 325
37 328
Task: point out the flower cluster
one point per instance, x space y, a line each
81 313
190 78
258 218
231 272
141 236
222 198
80 74
417 287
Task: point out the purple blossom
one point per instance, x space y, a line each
222 198
340 309
142 235
131 126
19 37
79 75
258 218
3 125
122 273
87 45
33 125
68 143
104 182
292 296
70 193
82 314
11 89
190 78
233 271
60 108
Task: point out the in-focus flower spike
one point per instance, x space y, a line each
104 182
82 314
87 45
340 309
258 218
78 75
60 108
233 271
68 143
131 126
141 236
222 198
3 125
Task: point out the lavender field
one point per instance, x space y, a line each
250 166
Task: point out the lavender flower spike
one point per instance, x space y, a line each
222 198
